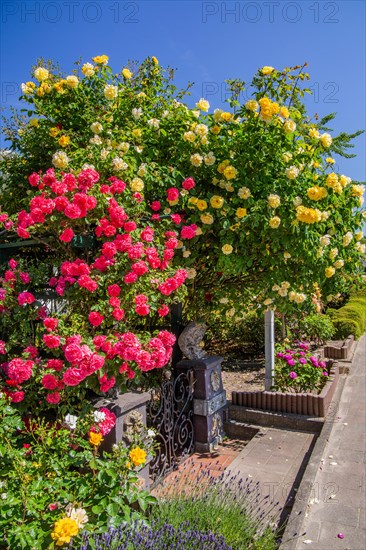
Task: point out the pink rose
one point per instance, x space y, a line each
51 340
173 194
95 318
67 235
49 382
188 184
53 398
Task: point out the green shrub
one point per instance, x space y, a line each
317 327
355 311
344 327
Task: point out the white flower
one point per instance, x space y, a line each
142 170
297 201
224 300
99 416
138 149
96 140
191 273
70 421
244 193
96 127
60 159
4 496
165 113
201 130
150 433
154 123
87 166
209 159
119 164
286 157
347 238
79 516
283 292
196 159
124 146
137 113
325 240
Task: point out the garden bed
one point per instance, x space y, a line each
339 350
296 403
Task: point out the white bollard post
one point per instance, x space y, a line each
269 348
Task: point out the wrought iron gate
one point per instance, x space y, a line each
170 413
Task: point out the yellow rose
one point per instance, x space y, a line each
216 201
215 129
314 133
284 112
201 205
110 92
289 126
95 439
226 116
274 222
54 131
41 74
72 81
241 212
189 136
286 157
28 87
101 59
230 172
332 180
227 249
329 160
137 185
308 215
87 69
137 456
274 201
34 123
203 105
292 172
64 141
154 60
326 140
357 190
344 180
244 193
196 160
126 73
252 105
207 219
317 193
267 70
221 167
329 271
64 529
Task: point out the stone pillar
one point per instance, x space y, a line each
209 401
128 407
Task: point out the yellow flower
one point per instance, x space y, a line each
230 172
126 73
326 140
244 193
215 129
72 81
189 136
274 201
289 126
226 116
63 530
64 141
193 200
284 112
28 87
344 180
196 160
308 215
329 271
216 201
110 92
267 70
252 105
87 69
314 133
357 190
60 86
227 249
201 205
241 212
137 132
207 219
34 123
286 157
101 59
292 172
317 193
274 222
221 167
137 185
332 180
137 456
275 108
95 438
329 160
41 74
60 159
154 60
203 105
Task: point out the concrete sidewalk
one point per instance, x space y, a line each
335 512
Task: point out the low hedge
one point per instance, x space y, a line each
351 318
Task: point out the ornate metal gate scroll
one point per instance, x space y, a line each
170 413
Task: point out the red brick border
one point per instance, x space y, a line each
296 403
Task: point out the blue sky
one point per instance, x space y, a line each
207 42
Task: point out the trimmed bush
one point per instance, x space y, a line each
317 327
344 327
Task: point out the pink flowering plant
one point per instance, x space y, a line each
100 336
298 370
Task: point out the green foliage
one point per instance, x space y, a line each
345 327
351 318
317 327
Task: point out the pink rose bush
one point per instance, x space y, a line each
112 287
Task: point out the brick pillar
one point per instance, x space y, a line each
209 401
